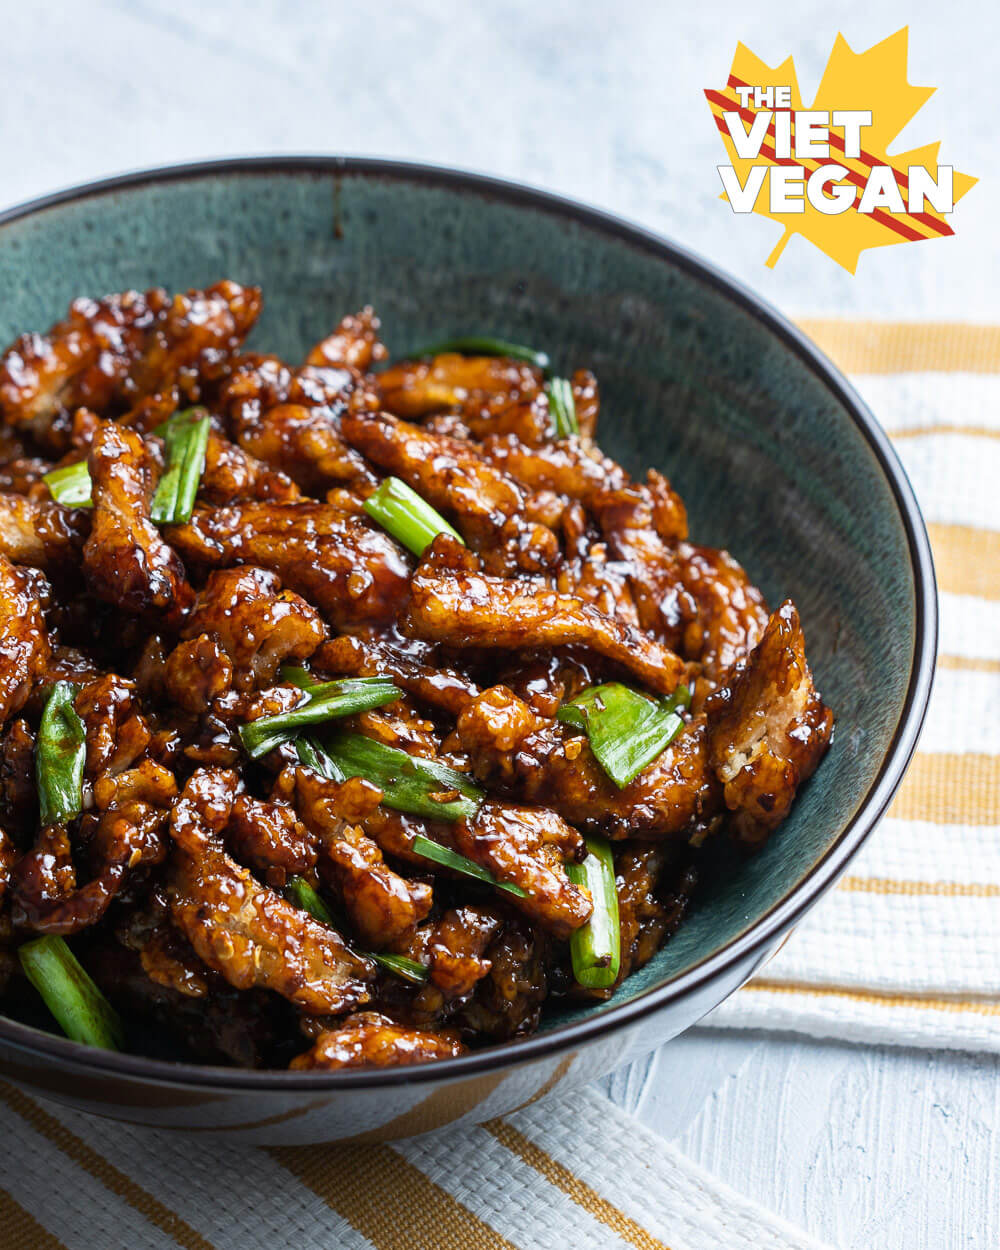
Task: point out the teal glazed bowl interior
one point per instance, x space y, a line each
775 456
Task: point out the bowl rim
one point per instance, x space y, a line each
763 933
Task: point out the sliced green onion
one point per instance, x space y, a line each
296 675
186 436
311 753
301 893
409 783
562 405
481 345
402 967
293 675
448 858
82 1011
627 730
60 753
407 517
70 485
324 689
596 947
324 702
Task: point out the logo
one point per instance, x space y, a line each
824 172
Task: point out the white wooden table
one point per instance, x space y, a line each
870 1148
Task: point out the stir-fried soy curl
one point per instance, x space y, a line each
351 709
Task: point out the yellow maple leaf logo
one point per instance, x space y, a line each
874 80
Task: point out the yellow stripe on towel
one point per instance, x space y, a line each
100 1169
21 1231
950 790
387 1199
914 889
571 1185
872 998
929 431
966 559
906 346
969 663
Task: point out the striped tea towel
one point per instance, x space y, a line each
574 1171
907 948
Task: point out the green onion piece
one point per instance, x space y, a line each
301 893
407 517
596 947
83 1013
324 702
408 783
626 729
186 436
402 967
70 485
460 863
474 345
323 689
312 754
295 675
562 405
60 753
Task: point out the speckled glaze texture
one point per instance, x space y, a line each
772 453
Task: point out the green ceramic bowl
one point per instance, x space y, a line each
774 453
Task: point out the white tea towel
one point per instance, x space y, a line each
907 948
574 1171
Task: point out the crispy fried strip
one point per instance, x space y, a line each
475 610
371 1040
240 928
42 533
111 351
25 650
771 730
451 474
125 559
351 571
